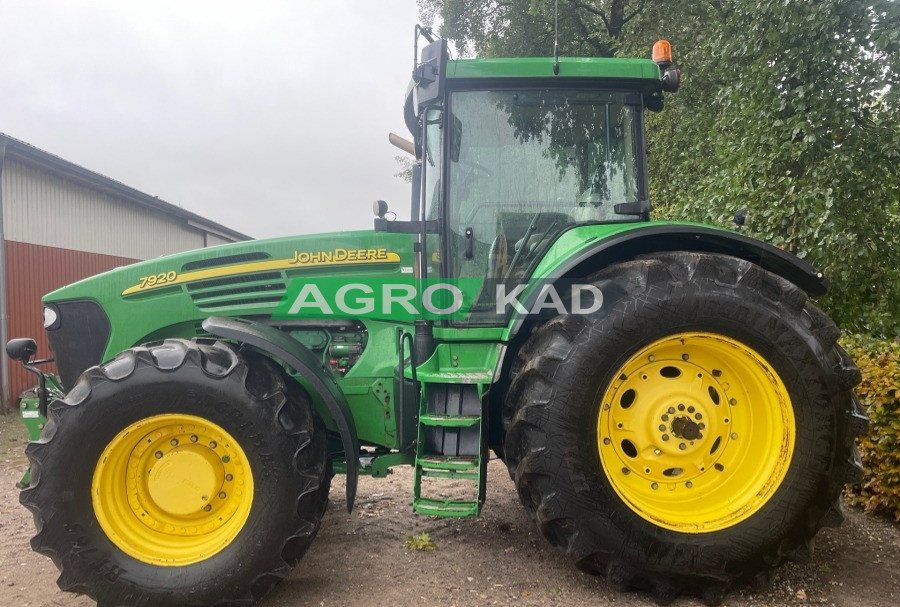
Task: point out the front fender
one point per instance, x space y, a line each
293 354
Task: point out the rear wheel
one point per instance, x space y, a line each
180 473
692 434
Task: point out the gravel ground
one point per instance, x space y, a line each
497 559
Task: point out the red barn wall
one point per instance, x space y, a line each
32 271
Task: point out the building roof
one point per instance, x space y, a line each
28 152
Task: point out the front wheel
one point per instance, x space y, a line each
692 434
180 473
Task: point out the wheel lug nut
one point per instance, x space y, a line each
682 446
681 407
194 438
651 358
626 471
671 409
158 455
221 495
690 409
732 401
662 427
229 477
665 417
213 444
174 442
654 486
684 357
702 426
698 416
605 441
733 435
689 484
207 507
665 437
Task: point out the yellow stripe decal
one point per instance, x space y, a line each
301 259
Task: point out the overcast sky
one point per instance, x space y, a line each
268 117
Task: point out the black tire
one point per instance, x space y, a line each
243 393
552 410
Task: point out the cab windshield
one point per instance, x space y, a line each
523 165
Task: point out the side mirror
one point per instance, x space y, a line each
21 349
429 75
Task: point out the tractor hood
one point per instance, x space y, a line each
332 252
170 296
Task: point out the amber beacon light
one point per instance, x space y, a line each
662 53
662 56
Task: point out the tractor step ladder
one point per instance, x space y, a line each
450 446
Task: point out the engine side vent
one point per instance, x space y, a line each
254 289
242 301
234 280
226 260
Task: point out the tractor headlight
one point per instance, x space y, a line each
51 318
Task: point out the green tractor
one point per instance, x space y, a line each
676 415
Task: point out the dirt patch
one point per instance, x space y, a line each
497 559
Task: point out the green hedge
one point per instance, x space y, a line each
879 392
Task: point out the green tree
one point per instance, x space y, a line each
788 109
804 136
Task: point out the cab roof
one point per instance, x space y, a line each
542 67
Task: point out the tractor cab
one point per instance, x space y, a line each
512 153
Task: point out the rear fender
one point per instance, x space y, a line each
656 238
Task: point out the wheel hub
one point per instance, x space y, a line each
172 489
183 481
684 428
676 427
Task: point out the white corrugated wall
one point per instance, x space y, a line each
213 240
42 207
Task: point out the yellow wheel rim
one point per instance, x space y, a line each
696 432
172 490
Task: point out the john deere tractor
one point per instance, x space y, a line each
675 413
